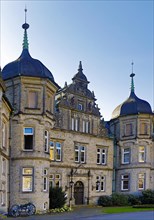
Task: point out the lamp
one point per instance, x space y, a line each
97 185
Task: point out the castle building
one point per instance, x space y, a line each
132 125
56 137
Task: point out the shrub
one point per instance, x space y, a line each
57 198
147 197
133 199
119 199
105 201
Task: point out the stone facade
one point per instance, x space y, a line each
5 110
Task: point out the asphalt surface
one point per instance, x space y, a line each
90 213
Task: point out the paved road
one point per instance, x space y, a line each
88 213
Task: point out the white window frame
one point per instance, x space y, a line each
31 134
85 126
29 175
125 153
45 180
75 124
46 137
102 156
141 177
80 150
101 186
124 177
141 154
57 150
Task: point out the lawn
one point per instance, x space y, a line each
111 210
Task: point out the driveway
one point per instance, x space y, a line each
90 213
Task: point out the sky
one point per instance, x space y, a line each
105 35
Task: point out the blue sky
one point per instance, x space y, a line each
105 35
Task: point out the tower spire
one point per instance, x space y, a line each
132 79
25 26
80 67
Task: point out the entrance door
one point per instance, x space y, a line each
78 192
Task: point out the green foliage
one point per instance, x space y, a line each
105 201
119 199
147 197
57 198
144 206
133 199
58 210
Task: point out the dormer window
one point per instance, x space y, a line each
80 106
144 128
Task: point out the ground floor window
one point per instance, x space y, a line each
27 179
3 194
141 181
125 182
55 180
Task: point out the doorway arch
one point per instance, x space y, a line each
78 192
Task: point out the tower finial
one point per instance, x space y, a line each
132 79
80 66
25 26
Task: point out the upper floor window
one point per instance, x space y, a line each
100 183
27 179
125 155
141 155
128 129
80 154
46 147
80 106
101 156
141 181
144 128
4 168
45 180
32 99
4 135
28 138
49 103
125 182
86 126
75 124
55 151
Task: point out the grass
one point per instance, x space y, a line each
111 210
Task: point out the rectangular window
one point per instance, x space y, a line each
4 171
3 194
75 124
28 138
124 182
46 148
141 155
55 180
55 151
100 183
45 180
4 135
80 154
32 99
85 126
101 156
51 180
141 181
27 179
144 128
126 156
128 129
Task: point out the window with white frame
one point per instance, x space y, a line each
125 155
85 126
100 183
141 154
101 156
3 194
46 137
55 180
27 179
45 180
28 138
4 135
141 181
75 124
4 170
55 151
80 154
125 182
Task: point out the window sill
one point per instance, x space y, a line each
28 150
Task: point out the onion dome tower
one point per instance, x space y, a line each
132 105
25 65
